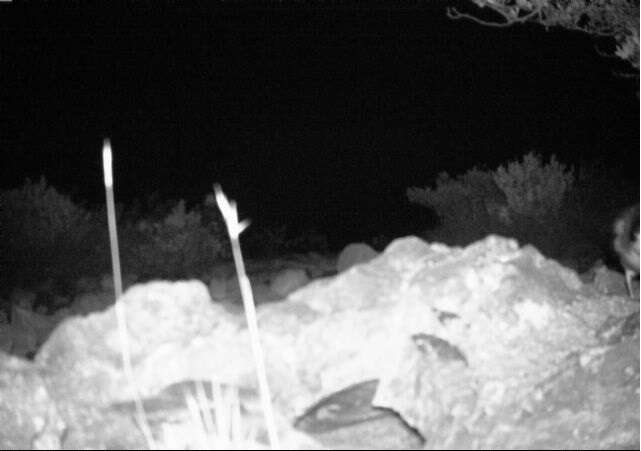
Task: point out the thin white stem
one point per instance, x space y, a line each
234 228
119 307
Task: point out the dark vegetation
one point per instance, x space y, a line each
566 212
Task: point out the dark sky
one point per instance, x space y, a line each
314 113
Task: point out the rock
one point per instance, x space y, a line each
29 330
348 420
222 288
160 316
610 282
287 281
175 334
28 417
490 346
458 331
354 254
228 291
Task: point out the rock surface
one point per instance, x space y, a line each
490 346
28 415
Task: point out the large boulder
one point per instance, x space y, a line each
490 346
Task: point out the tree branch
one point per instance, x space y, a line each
618 19
455 14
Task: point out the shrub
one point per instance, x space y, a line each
44 235
565 216
183 243
277 240
532 189
591 206
522 199
468 207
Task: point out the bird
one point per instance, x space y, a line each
626 243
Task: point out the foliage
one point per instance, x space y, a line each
469 206
618 19
565 214
280 239
534 190
44 235
183 243
592 204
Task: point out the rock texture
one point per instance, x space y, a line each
490 346
29 418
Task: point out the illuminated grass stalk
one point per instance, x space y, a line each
224 429
234 228
119 307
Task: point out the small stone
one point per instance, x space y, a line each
354 254
289 280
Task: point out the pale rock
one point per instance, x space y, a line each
288 280
488 346
354 254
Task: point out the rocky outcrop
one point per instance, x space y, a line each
28 415
490 346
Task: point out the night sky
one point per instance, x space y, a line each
317 114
